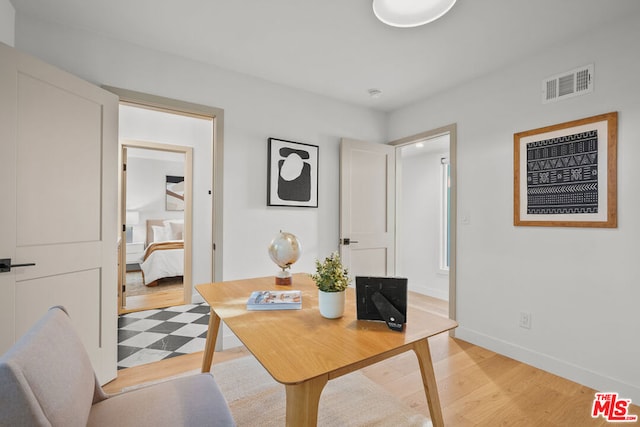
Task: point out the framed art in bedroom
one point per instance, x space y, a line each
174 193
565 175
292 174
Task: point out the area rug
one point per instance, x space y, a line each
352 400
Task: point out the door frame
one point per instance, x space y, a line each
188 212
451 130
145 100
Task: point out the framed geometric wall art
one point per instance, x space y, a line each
565 175
292 174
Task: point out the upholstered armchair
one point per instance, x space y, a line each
46 379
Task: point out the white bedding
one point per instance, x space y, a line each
163 263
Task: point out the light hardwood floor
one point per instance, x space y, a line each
477 387
155 300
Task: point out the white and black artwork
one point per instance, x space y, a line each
292 176
565 174
562 174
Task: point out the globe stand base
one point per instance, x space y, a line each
283 278
284 281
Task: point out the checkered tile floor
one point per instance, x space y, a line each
152 335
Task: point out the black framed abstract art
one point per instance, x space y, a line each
292 174
565 175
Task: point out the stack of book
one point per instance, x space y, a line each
275 300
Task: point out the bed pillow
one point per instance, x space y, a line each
161 234
177 228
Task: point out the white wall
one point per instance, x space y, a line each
146 191
581 285
254 111
419 224
7 22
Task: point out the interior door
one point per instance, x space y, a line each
367 208
59 203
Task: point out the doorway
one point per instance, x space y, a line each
426 212
148 118
423 216
157 202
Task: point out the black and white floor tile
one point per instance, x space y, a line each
152 335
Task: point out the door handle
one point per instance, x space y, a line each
347 241
5 265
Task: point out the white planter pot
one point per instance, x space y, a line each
331 304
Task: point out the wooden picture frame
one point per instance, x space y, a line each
292 174
565 175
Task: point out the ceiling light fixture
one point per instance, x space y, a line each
410 13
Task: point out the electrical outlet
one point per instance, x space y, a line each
525 320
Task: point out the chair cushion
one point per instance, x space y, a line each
46 378
188 401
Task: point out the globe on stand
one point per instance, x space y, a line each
284 250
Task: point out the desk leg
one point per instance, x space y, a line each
303 400
210 344
421 349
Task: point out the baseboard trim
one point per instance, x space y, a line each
550 364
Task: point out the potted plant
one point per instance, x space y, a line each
332 279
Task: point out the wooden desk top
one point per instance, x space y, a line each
297 345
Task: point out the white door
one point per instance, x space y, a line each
58 203
367 208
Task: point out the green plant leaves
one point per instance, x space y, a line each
330 275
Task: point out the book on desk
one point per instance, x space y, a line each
275 300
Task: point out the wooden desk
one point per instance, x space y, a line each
303 350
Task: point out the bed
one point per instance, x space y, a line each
164 251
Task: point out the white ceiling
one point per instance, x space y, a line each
337 48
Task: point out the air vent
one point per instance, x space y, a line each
567 85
